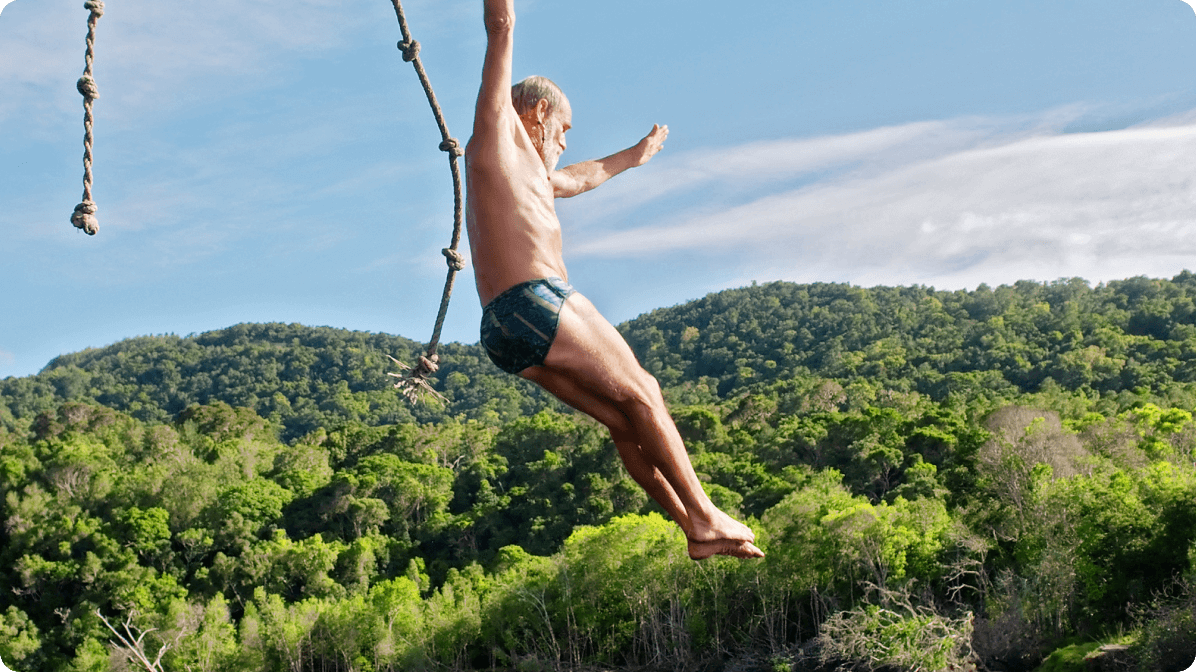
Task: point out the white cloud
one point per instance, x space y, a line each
944 203
765 164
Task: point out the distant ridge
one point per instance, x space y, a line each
298 376
1115 338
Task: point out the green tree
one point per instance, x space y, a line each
19 638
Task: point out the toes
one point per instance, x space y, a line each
744 550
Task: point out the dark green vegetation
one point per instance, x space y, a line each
939 478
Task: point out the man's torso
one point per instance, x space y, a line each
514 233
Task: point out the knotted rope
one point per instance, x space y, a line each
84 216
413 380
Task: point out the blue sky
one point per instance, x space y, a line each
276 161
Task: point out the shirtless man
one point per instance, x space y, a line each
533 323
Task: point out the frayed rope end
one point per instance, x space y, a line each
414 382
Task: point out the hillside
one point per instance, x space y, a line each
1133 335
950 478
299 377
1126 335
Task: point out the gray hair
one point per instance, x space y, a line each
526 94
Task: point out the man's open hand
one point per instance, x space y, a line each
651 144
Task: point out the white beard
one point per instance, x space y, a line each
550 160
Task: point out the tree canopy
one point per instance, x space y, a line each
938 478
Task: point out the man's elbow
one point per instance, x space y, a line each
500 23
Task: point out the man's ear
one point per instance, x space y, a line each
541 110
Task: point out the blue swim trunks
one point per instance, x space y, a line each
519 325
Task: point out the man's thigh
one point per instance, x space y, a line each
590 350
566 388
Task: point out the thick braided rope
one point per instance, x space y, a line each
411 382
84 216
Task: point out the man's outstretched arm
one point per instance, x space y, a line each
582 177
496 71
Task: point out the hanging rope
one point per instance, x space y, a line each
84 216
413 380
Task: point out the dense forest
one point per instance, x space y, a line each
997 479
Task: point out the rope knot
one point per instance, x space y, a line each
410 49
455 259
87 86
427 366
414 382
96 7
84 217
452 146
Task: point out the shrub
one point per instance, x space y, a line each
919 640
1168 638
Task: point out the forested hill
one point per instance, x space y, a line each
1114 339
1133 334
987 480
299 377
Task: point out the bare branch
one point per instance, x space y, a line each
131 644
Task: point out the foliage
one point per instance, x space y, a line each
19 640
301 378
1123 336
1071 658
872 637
257 498
1106 343
1168 635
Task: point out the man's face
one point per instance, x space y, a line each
560 121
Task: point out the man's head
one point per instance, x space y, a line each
546 114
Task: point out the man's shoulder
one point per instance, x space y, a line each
494 116
493 129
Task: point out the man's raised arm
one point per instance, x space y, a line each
496 71
582 177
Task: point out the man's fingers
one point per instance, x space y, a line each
657 136
652 143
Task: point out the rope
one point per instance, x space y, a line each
415 379
84 216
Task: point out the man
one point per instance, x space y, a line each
534 324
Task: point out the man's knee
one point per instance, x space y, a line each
644 392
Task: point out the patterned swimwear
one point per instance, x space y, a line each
519 325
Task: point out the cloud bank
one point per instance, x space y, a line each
950 204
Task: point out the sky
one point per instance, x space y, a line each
262 161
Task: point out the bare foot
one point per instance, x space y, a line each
719 527
700 550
